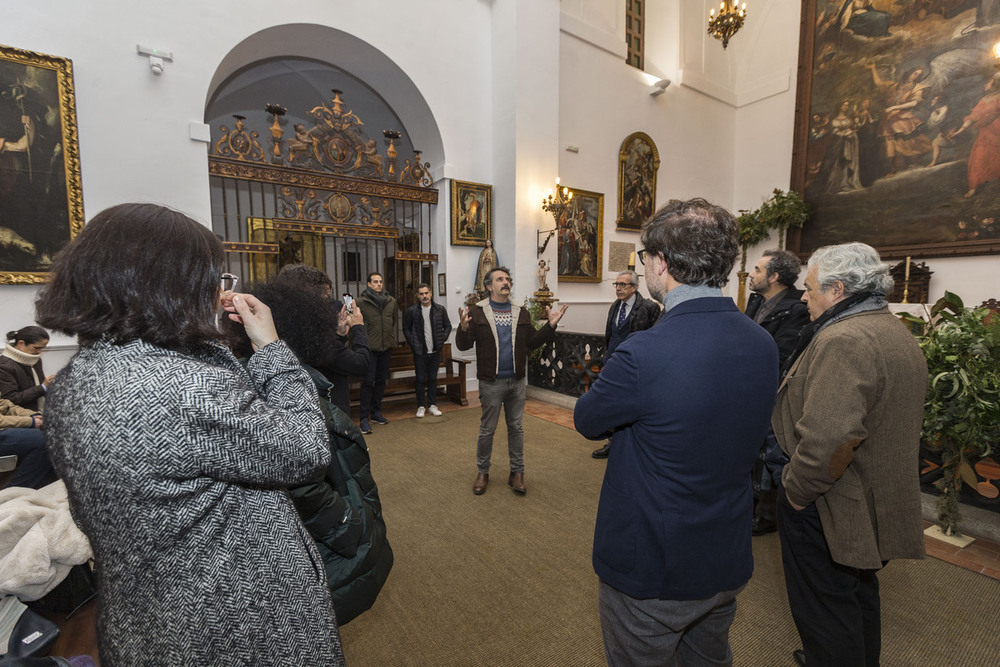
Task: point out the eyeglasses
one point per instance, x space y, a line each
641 255
623 284
228 281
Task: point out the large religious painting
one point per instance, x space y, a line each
897 140
471 213
579 230
638 162
41 201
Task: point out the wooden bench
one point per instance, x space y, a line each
402 379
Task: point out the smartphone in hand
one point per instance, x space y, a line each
348 302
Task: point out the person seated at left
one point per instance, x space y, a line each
22 380
21 435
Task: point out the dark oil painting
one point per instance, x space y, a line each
898 126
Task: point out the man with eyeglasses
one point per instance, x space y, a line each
687 403
628 314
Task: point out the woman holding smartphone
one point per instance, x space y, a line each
176 457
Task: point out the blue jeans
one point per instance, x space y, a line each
426 366
33 465
509 394
373 386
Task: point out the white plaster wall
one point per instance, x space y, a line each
134 126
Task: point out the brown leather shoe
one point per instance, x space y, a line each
516 482
482 480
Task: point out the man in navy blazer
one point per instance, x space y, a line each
687 403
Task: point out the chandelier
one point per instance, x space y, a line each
727 22
557 205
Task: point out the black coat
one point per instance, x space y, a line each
413 327
17 384
343 513
644 314
784 322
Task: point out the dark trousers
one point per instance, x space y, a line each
835 608
374 385
33 465
426 367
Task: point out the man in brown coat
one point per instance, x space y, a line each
848 415
502 334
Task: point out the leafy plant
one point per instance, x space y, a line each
783 211
962 408
751 232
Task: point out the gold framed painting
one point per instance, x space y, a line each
638 162
293 248
471 213
896 139
579 229
41 199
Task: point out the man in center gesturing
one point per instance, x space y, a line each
502 333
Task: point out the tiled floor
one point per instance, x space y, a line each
980 556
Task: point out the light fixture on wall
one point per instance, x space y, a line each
156 57
996 55
559 203
728 21
657 88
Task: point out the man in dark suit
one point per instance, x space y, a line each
672 539
777 306
628 314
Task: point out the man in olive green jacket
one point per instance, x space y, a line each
848 415
380 313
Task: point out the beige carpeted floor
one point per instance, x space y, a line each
502 579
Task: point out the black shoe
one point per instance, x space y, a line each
602 453
761 526
800 657
379 419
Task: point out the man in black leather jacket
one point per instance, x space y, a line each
777 306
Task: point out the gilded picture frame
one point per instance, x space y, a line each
895 128
638 162
580 234
471 213
41 197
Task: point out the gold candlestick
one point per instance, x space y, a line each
906 281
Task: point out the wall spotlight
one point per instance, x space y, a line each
657 88
156 57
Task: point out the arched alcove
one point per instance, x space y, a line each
318 182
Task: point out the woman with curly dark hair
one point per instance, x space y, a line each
176 457
342 510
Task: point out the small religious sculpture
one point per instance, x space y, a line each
543 269
487 261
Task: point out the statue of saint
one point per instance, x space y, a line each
487 260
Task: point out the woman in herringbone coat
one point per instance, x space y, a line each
175 456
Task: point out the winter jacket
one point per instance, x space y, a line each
784 322
413 327
17 384
176 466
343 513
483 334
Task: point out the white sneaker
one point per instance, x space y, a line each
420 411
434 411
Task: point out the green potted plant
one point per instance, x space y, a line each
962 408
783 211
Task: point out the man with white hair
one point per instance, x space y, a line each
848 415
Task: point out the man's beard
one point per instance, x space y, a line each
656 291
